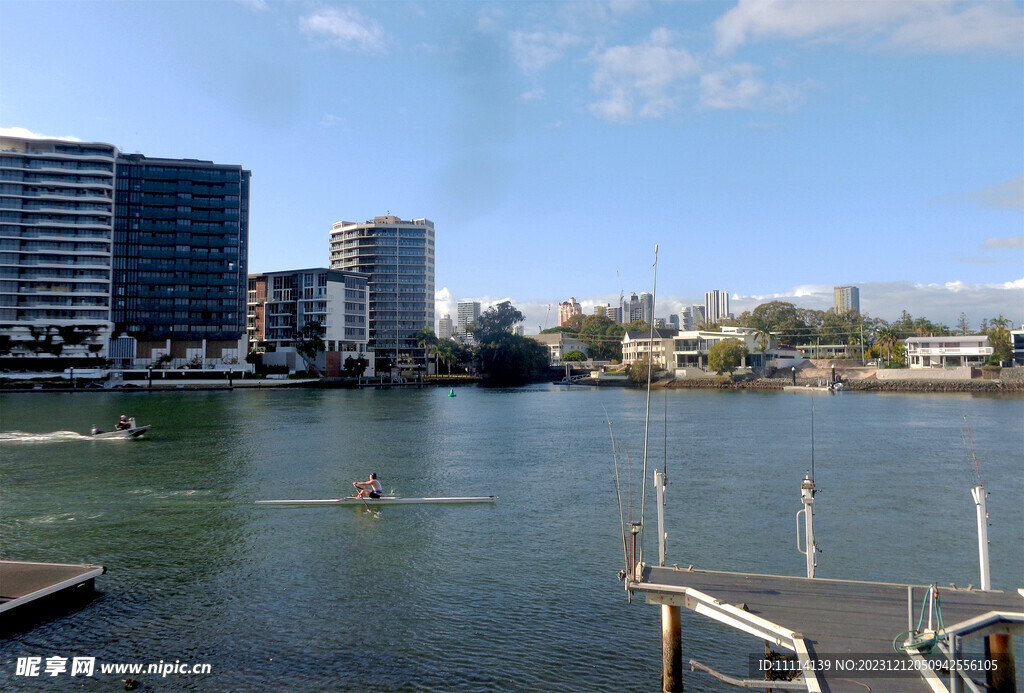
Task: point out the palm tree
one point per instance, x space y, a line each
888 337
426 340
448 352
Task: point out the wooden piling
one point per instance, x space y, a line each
671 649
1003 677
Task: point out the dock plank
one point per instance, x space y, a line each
835 617
22 582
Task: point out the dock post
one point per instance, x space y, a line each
671 619
671 649
1003 679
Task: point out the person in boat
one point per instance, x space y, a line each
370 488
123 423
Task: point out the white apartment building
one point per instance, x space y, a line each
56 246
467 313
397 256
445 327
948 351
716 306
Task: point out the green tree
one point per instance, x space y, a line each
310 342
451 352
426 340
725 356
355 367
574 356
637 371
496 322
1002 347
962 325
506 358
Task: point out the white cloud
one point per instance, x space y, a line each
1008 195
736 86
532 96
330 121
28 134
943 26
345 28
939 302
489 20
641 80
255 5
535 50
1000 243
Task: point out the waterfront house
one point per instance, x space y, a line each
558 344
638 345
948 351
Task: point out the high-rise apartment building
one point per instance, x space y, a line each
647 308
716 306
281 304
181 237
398 258
445 327
467 314
567 310
698 316
56 246
847 299
633 311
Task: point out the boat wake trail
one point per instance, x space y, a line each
54 437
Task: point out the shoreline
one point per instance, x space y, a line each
774 384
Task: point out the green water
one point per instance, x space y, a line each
521 595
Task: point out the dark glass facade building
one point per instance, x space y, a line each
181 230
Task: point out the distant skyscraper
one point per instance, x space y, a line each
647 307
568 309
615 314
445 327
633 311
847 299
673 321
699 317
686 321
716 306
398 258
56 245
601 309
468 313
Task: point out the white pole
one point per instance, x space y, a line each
810 547
978 492
659 489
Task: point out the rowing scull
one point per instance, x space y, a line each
383 500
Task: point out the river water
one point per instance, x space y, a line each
519 595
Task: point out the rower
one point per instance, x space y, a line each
370 488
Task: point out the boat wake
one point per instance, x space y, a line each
54 437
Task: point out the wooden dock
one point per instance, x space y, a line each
819 619
27 585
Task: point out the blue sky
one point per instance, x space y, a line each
771 149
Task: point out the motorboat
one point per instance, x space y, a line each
133 431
